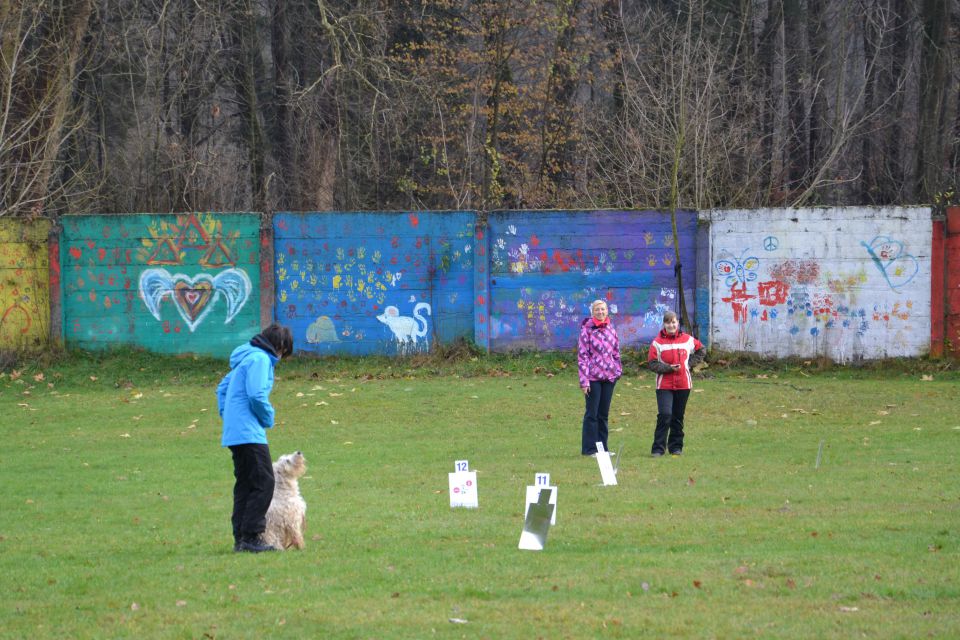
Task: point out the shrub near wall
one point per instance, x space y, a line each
24 284
374 283
178 283
546 267
844 283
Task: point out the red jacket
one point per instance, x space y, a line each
666 350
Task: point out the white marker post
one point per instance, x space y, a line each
606 467
541 481
463 486
536 525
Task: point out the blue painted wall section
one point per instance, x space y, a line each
374 283
547 267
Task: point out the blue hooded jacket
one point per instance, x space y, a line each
243 396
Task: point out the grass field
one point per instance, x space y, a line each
114 514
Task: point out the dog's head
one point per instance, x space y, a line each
292 465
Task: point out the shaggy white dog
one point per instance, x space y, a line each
287 515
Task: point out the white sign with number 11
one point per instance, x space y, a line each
541 481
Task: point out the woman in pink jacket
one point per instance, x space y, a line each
672 354
598 361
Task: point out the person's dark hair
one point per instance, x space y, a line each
280 337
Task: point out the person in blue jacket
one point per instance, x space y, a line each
243 398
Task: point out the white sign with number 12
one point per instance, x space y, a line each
463 486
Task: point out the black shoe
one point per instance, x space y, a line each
657 454
255 545
678 452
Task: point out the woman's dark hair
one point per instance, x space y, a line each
281 338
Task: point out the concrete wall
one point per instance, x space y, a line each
167 283
547 267
24 284
365 283
843 283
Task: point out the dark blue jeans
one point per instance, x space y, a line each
671 405
253 490
596 414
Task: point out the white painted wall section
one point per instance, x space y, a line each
848 284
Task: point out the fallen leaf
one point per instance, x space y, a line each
697 584
124 435
458 621
849 609
791 584
335 395
690 481
926 378
38 377
93 378
134 607
874 422
181 603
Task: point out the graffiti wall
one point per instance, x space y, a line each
185 283
846 284
24 284
364 283
547 267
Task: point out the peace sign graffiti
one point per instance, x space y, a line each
770 243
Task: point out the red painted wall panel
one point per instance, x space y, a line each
951 280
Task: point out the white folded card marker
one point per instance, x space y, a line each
541 481
463 486
607 472
537 523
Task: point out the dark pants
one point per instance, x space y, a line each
671 405
253 490
596 414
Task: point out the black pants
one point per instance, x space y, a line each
668 435
253 490
596 414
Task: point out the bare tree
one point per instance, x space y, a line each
41 43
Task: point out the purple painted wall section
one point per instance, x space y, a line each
374 283
547 267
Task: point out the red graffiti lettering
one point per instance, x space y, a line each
772 293
738 302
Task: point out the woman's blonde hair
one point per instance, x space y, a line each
593 305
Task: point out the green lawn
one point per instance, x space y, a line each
114 514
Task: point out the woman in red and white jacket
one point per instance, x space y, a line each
672 354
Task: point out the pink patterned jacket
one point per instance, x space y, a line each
598 353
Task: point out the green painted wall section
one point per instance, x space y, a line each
176 283
24 284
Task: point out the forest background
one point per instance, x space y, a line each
272 105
